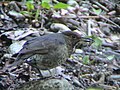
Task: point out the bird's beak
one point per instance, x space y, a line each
85 39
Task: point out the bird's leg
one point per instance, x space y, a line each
34 64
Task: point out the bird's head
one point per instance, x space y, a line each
75 37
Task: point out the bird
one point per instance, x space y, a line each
48 51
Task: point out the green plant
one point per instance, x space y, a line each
86 60
30 7
46 4
97 41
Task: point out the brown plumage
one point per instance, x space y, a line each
48 51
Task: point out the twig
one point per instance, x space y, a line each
99 5
106 19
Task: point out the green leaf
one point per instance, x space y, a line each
94 88
60 6
46 5
97 41
24 12
29 5
110 57
97 11
48 1
86 60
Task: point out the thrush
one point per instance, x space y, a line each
48 51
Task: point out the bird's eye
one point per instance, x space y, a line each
73 37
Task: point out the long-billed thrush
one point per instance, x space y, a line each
48 51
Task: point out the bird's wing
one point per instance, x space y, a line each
38 45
